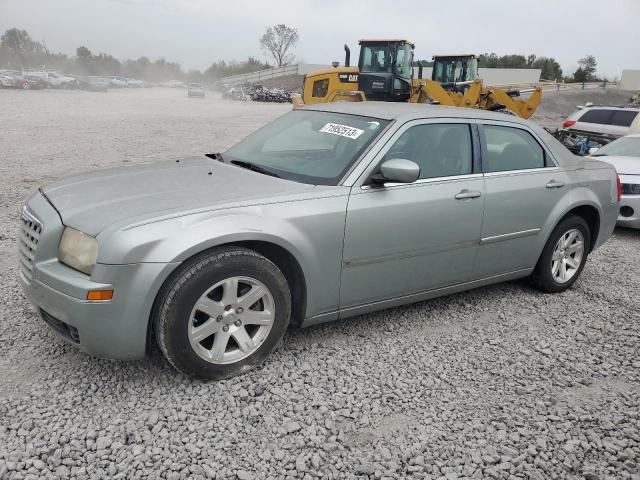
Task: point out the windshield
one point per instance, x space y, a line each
622 147
454 70
308 146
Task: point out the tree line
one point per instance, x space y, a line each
549 67
18 50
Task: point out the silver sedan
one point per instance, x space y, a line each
624 155
327 212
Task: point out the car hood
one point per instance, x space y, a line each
92 201
623 165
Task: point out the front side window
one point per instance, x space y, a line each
375 59
308 146
439 149
509 148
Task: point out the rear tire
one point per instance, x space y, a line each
564 256
222 313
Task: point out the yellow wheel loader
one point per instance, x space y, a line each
385 73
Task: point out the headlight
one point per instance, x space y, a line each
78 250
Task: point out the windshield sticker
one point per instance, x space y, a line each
342 130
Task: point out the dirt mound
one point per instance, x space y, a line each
557 105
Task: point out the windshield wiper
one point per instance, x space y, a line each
215 156
253 167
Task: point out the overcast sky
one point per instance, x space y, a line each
197 32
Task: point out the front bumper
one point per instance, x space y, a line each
629 211
117 328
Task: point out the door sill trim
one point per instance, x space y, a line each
509 236
413 298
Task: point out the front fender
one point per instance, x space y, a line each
311 231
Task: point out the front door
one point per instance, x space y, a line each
402 239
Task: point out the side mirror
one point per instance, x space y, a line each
399 170
593 150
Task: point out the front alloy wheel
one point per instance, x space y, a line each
231 320
222 313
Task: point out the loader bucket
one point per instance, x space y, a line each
521 108
472 95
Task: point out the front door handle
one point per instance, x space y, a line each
555 184
464 194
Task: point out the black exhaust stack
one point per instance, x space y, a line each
420 71
347 56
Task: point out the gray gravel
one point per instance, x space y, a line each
501 382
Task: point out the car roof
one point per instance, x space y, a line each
608 107
410 111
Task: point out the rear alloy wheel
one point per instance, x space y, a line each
222 313
564 255
567 256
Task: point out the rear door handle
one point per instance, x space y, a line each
555 184
463 194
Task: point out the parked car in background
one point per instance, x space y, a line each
19 81
195 90
7 81
624 155
173 84
55 79
134 83
36 83
97 84
327 212
595 126
116 81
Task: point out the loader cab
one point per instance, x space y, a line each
454 70
385 69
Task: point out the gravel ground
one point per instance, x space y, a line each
500 382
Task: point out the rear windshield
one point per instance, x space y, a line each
621 118
308 146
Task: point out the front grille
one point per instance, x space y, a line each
30 231
64 329
631 189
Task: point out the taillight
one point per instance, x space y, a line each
619 189
568 123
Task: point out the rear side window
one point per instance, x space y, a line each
602 117
623 118
320 88
508 148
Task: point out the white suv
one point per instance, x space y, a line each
611 122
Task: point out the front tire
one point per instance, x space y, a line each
222 313
564 255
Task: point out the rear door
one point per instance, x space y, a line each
522 185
